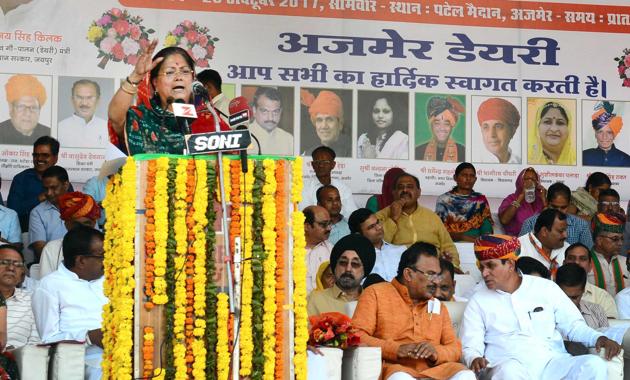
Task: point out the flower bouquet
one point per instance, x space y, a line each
624 67
332 330
193 38
118 36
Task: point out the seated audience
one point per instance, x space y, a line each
364 222
75 209
351 259
328 197
559 197
68 304
445 286
44 222
412 328
515 208
577 253
378 202
584 199
547 242
10 231
8 366
609 201
27 189
464 212
531 266
406 222
323 163
20 321
622 300
317 226
609 267
325 276
513 328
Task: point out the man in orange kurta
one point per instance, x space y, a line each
412 328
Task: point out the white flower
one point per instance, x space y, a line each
183 43
111 32
130 47
627 72
198 52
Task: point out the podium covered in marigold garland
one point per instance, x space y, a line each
167 273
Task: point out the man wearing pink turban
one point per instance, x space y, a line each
26 96
607 126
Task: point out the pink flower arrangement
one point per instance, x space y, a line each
623 67
195 39
118 36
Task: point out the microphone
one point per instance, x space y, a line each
182 122
199 90
239 119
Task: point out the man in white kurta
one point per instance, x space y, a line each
317 226
610 271
548 241
83 129
514 328
267 110
68 304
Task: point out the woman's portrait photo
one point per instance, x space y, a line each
496 131
326 119
440 127
383 125
551 131
605 142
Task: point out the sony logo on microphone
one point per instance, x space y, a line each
212 142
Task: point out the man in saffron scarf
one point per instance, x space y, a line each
548 241
609 267
443 114
412 327
514 328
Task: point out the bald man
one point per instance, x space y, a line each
26 96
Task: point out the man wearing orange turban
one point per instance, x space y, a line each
607 126
326 114
513 328
499 119
75 209
26 96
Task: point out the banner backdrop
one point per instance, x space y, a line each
418 85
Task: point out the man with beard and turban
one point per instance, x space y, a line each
609 267
75 209
351 260
26 97
607 126
412 328
514 327
499 120
326 114
443 114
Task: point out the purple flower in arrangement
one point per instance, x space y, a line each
178 31
105 20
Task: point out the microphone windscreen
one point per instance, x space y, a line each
239 104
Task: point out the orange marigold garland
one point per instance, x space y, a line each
147 351
281 242
190 265
149 239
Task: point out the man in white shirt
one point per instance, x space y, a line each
577 253
328 197
84 129
548 240
323 163
514 328
211 80
609 267
20 321
68 304
317 225
363 221
267 109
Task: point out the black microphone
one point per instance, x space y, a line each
182 122
244 166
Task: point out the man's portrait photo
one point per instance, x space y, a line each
271 119
604 139
326 119
440 127
82 113
27 106
496 132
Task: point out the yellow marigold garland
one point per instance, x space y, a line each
299 275
181 234
269 268
119 271
246 343
160 203
223 351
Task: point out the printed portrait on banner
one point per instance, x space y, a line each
496 130
440 127
551 131
82 111
326 119
605 141
383 125
25 109
271 123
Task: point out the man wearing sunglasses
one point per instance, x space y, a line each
68 304
609 267
412 328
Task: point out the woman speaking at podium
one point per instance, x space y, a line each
150 126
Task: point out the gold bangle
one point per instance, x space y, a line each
132 83
129 89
